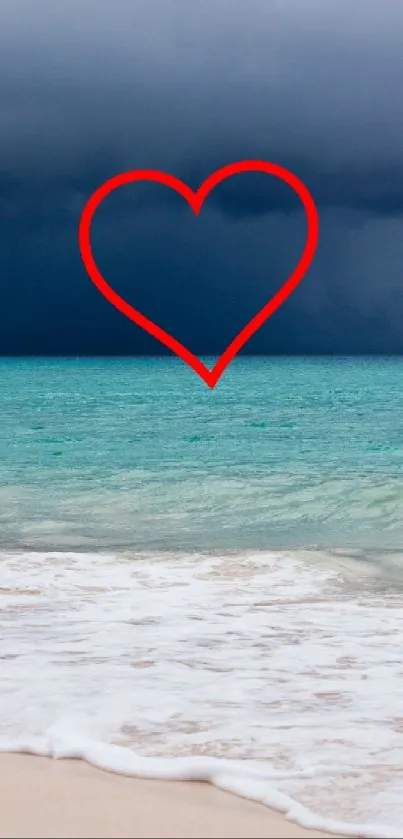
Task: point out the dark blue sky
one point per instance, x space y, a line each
89 89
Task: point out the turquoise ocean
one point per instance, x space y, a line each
209 583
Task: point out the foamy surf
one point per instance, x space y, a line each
263 674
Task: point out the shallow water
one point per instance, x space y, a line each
141 454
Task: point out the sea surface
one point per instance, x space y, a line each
199 583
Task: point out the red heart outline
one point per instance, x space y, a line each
195 201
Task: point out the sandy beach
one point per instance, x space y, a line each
40 797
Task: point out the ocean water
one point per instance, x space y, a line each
200 583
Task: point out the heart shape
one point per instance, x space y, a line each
196 200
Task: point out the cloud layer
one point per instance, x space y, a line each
88 90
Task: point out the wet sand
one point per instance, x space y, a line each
40 797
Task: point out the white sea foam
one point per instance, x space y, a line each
270 675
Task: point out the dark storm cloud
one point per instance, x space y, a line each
88 90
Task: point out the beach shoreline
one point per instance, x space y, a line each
43 797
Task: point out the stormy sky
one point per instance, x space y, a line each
92 88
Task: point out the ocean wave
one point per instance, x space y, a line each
174 661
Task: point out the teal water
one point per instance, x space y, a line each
140 454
